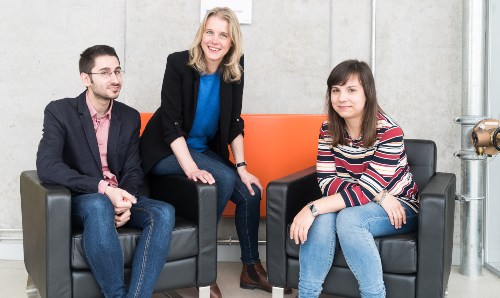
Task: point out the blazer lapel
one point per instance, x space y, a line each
226 105
88 127
196 88
114 133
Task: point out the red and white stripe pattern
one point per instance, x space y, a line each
359 173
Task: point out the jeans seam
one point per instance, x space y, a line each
246 222
368 237
332 248
146 246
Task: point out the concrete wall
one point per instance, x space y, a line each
289 48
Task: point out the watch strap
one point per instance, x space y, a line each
241 164
313 209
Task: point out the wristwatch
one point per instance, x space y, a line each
313 209
241 164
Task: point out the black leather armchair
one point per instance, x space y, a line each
415 264
53 251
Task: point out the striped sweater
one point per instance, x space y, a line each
359 173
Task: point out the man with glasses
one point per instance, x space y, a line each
90 144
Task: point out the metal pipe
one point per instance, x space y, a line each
332 57
374 35
473 110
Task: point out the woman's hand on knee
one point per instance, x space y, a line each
300 225
395 211
201 175
248 179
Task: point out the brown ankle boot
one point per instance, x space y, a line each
255 277
215 291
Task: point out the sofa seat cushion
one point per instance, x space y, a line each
184 243
398 252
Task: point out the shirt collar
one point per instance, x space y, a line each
93 112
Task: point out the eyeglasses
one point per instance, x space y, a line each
107 74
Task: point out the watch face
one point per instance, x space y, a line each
313 210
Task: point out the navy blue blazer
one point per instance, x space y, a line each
68 153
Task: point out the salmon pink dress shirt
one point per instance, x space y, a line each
101 128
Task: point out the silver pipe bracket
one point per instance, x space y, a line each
464 198
469 155
469 120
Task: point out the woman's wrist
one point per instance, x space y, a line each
241 170
384 195
188 169
241 164
312 209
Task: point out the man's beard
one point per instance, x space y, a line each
101 95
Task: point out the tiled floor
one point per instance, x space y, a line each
13 283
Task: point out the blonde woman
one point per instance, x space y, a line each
199 116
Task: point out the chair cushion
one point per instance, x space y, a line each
184 244
398 252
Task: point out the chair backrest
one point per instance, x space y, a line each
422 160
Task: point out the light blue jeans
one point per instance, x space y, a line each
355 228
95 214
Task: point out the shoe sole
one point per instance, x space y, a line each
253 287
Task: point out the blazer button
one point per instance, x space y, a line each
176 123
238 119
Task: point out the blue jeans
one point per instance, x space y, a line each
229 186
95 214
355 228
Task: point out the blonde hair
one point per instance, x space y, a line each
230 66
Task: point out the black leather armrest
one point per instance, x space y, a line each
285 197
197 202
435 235
46 218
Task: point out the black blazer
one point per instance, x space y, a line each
175 116
68 153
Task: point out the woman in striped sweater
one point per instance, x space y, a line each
361 164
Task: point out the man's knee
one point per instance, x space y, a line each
97 205
166 214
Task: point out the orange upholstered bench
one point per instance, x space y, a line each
275 145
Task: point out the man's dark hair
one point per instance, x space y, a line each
87 58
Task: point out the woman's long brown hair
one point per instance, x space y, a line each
337 126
